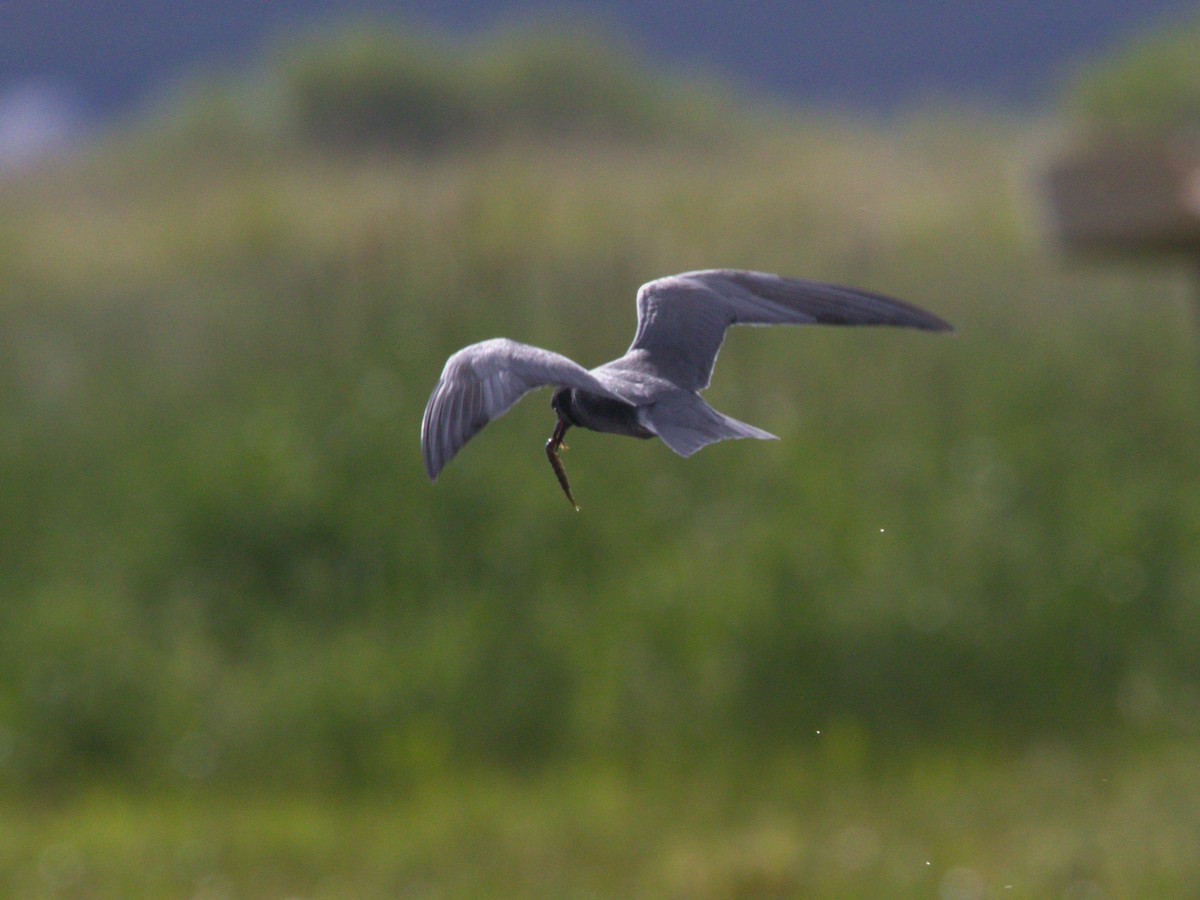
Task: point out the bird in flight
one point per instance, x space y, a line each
654 389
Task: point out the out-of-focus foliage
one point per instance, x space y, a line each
219 545
938 638
373 88
1153 82
1051 821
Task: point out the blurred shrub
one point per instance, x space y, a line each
372 87
584 82
1153 82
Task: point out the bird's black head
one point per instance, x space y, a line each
561 404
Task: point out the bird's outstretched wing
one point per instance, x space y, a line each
480 383
682 318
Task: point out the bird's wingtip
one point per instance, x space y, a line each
938 324
432 470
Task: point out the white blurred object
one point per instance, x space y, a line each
38 120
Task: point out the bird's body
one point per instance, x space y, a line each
597 412
654 389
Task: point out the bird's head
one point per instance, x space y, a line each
561 404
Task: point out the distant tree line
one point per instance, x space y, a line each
375 88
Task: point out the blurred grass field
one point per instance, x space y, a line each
1051 822
939 640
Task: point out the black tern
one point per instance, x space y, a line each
654 389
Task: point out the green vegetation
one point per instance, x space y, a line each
1151 83
371 89
1050 823
940 637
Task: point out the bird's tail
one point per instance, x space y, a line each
686 423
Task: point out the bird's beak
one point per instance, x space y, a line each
552 445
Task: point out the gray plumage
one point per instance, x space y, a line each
653 390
